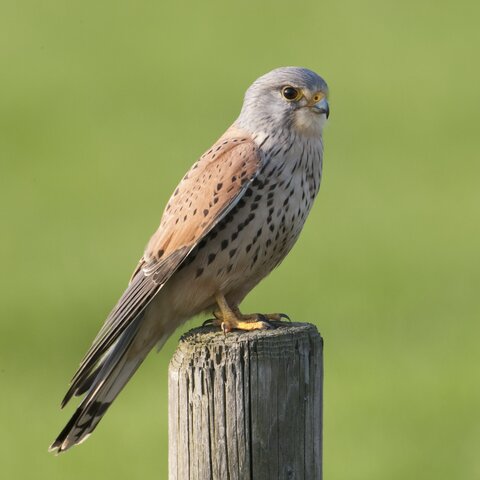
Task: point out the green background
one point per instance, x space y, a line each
103 107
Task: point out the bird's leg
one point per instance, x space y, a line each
229 318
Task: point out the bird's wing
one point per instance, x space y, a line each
204 196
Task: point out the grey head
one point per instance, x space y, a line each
286 99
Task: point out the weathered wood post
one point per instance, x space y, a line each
246 405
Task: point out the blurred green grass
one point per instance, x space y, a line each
103 107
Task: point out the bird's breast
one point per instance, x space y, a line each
259 230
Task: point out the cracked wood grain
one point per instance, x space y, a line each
246 406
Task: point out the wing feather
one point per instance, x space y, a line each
208 191
205 195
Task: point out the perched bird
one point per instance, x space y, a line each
232 219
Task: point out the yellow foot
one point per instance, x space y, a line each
229 318
232 322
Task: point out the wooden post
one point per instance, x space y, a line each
246 405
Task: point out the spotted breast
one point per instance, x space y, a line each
259 231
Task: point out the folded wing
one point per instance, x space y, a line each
208 191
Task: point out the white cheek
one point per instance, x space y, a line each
308 122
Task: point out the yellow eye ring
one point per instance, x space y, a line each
291 93
317 97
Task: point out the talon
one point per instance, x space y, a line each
210 322
277 317
225 328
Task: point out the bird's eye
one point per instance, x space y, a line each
291 93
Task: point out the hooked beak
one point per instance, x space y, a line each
321 107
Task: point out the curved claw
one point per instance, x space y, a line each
277 317
225 328
210 322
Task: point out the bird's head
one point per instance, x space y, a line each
284 99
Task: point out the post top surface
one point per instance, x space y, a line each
209 336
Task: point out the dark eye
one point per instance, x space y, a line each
291 93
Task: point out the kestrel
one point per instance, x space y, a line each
232 219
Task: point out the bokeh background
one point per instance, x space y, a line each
103 107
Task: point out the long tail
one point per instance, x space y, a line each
103 385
